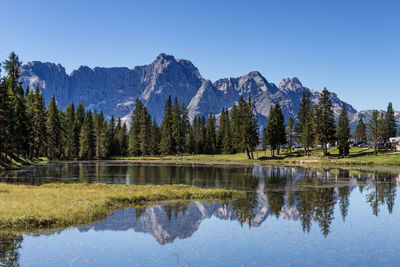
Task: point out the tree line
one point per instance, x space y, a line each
28 128
316 126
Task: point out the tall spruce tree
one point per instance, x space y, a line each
185 126
105 140
124 140
155 138
97 132
236 120
179 125
304 126
79 118
86 138
198 135
382 127
373 129
63 133
390 123
117 137
167 145
325 121
248 128
189 140
144 134
4 122
70 145
343 132
274 131
290 134
211 140
53 129
17 114
112 136
360 133
30 99
224 133
133 143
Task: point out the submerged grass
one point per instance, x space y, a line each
24 207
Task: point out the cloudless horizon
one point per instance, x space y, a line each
351 47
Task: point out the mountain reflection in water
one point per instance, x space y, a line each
311 198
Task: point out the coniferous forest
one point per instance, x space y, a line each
30 129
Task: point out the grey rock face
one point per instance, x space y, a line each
114 90
366 115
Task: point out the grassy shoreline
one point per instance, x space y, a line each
54 206
358 156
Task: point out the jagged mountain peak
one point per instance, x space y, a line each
290 84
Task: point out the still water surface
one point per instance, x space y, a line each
290 216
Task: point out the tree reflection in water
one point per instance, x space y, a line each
306 195
9 245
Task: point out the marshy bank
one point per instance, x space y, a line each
56 205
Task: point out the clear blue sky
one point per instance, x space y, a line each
351 47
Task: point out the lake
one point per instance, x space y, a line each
290 216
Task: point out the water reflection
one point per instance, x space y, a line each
313 199
309 199
9 249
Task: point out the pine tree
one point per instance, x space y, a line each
144 134
70 145
248 129
210 141
18 128
390 121
155 138
120 139
185 126
105 140
373 129
274 132
198 135
223 133
178 129
167 145
325 121
361 131
382 127
124 140
53 129
134 144
189 140
290 134
4 115
97 131
113 145
226 139
79 118
343 132
30 100
39 124
86 138
63 123
304 127
236 120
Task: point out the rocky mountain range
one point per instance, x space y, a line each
114 90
